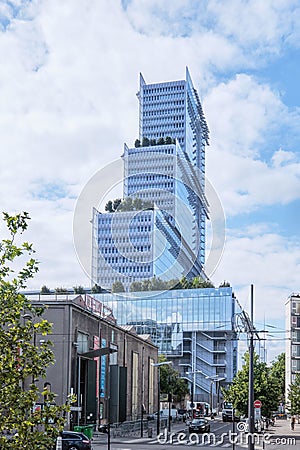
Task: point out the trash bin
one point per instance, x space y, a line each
88 431
79 428
150 431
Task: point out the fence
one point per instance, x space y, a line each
133 428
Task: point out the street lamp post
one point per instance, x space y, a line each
214 379
158 365
193 390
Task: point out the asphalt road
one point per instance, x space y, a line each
278 438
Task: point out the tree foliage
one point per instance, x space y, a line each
45 290
78 289
157 284
170 381
96 289
266 387
294 396
117 286
152 142
61 290
22 362
128 204
277 374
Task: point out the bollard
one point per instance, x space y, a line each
58 443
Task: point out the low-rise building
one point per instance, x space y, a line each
84 330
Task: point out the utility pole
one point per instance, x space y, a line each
246 325
251 378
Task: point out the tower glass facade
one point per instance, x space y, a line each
166 167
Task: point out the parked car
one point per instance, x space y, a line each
199 426
182 414
164 414
71 440
152 416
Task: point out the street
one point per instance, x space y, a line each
221 436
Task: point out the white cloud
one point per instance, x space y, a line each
67 85
265 259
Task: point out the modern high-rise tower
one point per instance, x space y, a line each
163 234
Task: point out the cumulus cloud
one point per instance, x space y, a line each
68 83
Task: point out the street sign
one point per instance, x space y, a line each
257 413
75 408
257 404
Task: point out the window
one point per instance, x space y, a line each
82 341
134 387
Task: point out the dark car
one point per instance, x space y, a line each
182 414
199 426
71 440
227 415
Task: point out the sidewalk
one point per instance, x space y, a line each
283 428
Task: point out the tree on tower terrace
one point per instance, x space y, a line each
22 363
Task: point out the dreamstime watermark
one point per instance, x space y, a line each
105 181
236 438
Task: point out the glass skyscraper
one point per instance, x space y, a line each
167 168
165 238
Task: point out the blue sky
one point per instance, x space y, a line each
68 83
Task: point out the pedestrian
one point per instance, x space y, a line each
293 420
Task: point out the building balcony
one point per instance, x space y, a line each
219 363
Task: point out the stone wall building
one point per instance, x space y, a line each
83 328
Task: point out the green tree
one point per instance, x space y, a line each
199 283
145 142
109 206
61 290
168 140
277 374
171 382
161 141
96 289
78 290
116 204
136 286
45 290
294 396
137 143
184 283
117 286
264 388
225 284
22 363
137 204
126 204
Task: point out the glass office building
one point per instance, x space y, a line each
193 327
167 168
